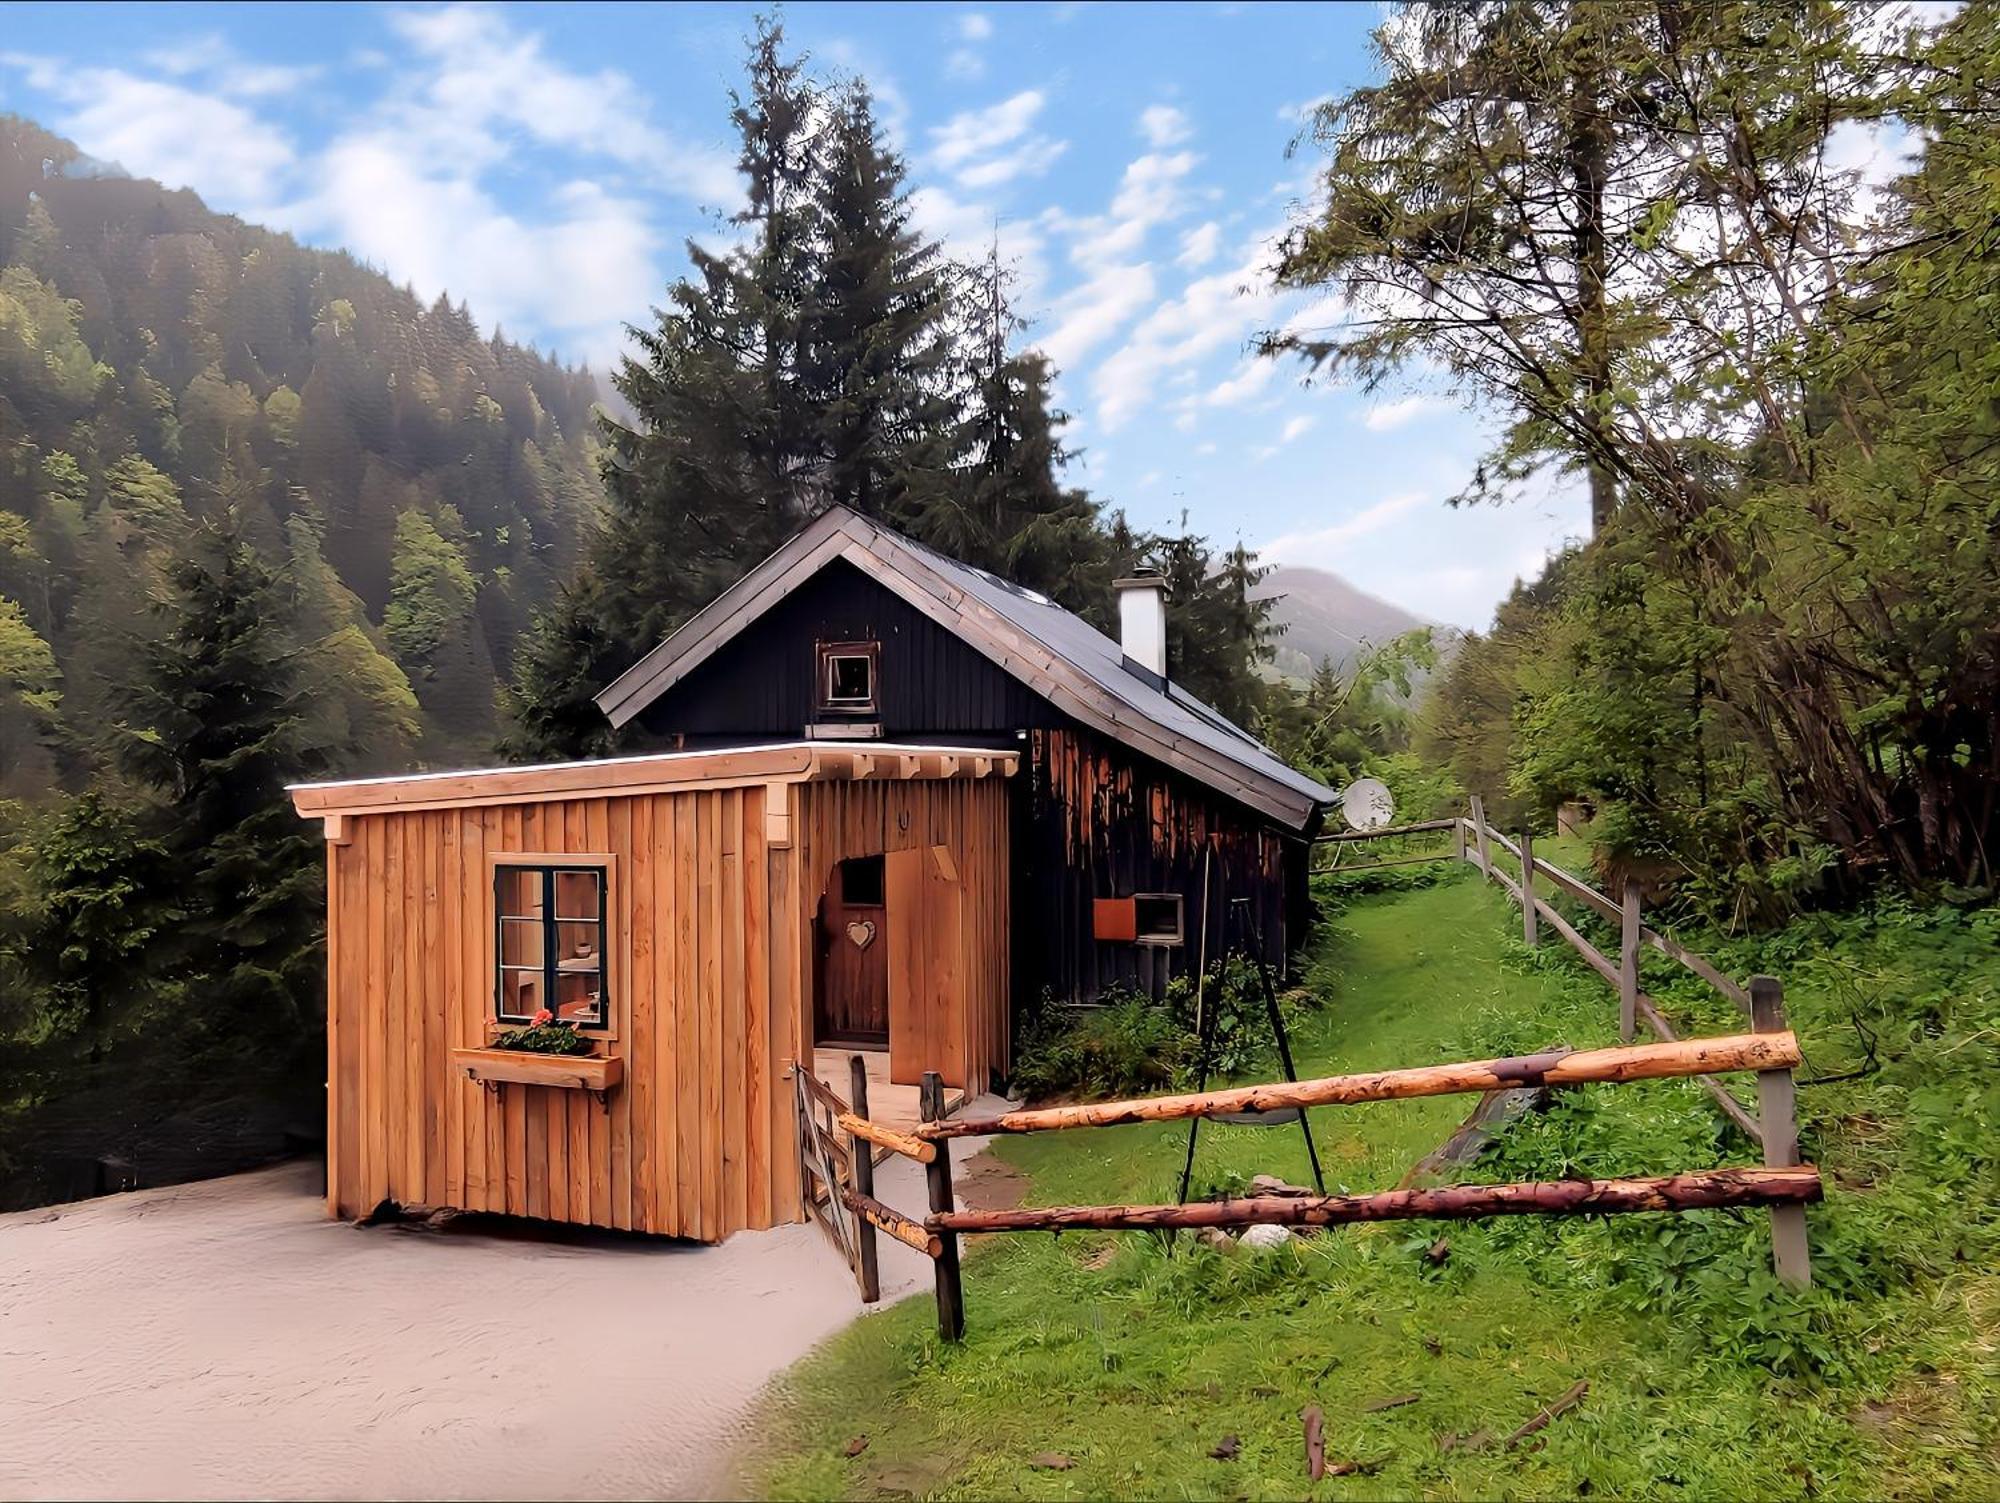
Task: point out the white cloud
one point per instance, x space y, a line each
975 26
964 64
222 69
1296 429
1164 126
1246 383
487 75
967 230
1091 312
985 148
973 133
184 137
1211 312
1200 245
1320 544
1388 415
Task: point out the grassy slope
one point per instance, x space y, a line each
1134 1362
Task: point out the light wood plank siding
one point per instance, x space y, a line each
965 1027
709 981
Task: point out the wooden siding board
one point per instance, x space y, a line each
687 1063
928 681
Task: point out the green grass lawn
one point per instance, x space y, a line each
1134 1360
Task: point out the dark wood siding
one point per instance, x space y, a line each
1092 820
931 684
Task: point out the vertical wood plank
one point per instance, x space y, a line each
514 1099
642 1053
469 1000
410 1126
1479 835
1777 1114
937 1177
866 1267
735 1048
435 1080
374 1013
396 1092
1528 927
787 927
1628 962
904 908
451 955
707 813
665 1118
687 1021
603 1139
758 1053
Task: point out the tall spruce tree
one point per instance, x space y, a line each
873 349
213 727
1010 511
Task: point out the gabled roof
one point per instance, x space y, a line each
1054 652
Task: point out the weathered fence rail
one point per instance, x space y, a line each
1783 1185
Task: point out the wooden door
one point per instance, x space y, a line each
927 975
851 990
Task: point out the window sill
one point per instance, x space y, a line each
575 1072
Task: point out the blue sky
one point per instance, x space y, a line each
547 164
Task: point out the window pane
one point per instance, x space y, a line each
579 947
521 890
861 881
579 997
849 680
576 894
520 994
521 942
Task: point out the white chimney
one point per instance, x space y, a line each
1142 621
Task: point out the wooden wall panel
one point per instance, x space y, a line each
969 820
707 974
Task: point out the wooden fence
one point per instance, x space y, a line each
1773 1127
840 1177
1771 1052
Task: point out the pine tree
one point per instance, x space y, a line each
1217 633
872 345
213 727
1010 511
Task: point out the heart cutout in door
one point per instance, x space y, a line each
862 932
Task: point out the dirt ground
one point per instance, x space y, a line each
225 1340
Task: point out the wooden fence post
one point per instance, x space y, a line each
1777 1111
864 1183
1458 839
1479 833
1628 963
1528 931
937 1173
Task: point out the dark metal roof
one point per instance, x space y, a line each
1055 652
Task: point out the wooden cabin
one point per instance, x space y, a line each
1141 818
682 911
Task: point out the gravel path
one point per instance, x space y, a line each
225 1340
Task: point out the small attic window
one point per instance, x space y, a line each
847 676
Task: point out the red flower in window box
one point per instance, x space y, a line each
544 1016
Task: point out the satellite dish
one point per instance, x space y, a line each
1367 804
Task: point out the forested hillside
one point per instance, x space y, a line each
419 487
263 516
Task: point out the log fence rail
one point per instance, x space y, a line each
839 1177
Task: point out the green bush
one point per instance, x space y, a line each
1131 1044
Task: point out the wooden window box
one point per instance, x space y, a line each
575 1072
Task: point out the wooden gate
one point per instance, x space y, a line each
826 1167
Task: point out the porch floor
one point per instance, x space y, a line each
891 1105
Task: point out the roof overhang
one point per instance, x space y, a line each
886 558
662 772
